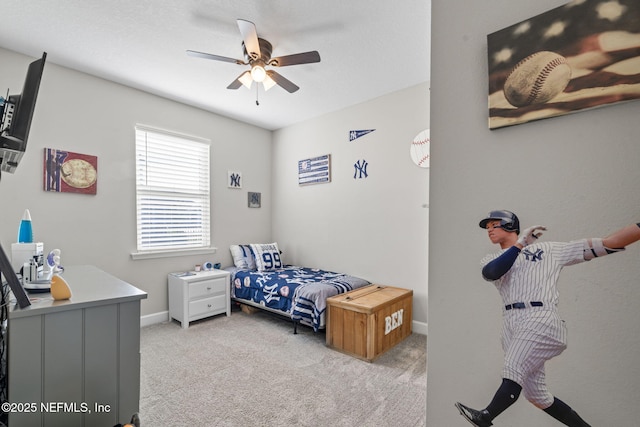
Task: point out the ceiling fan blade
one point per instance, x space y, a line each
295 59
282 82
214 57
243 79
250 37
234 84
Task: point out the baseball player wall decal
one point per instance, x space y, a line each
525 271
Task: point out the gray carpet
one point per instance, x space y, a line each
251 370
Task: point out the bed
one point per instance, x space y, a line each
260 278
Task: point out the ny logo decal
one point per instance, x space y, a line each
234 180
533 256
360 169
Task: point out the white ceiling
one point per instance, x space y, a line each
368 48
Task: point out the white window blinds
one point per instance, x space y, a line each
172 191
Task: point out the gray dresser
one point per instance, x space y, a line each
76 362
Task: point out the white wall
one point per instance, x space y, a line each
84 114
376 227
577 174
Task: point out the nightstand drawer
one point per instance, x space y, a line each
209 306
207 287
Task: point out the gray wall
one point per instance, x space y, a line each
375 227
85 114
577 174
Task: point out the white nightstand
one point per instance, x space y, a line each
196 295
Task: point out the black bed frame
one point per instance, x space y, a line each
268 310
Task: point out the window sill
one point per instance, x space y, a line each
172 253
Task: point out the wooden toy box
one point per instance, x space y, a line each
368 321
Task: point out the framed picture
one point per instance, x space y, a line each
254 200
68 172
579 56
316 170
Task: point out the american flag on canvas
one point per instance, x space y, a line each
600 40
315 170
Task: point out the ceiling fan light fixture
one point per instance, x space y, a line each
268 83
258 73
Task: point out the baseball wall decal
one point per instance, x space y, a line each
537 79
420 149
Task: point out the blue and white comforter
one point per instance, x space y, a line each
298 291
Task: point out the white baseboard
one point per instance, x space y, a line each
163 316
152 319
419 327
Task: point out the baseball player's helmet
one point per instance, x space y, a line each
508 220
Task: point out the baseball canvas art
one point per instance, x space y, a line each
579 56
69 172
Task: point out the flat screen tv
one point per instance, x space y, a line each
17 114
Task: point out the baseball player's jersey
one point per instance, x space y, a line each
534 274
534 334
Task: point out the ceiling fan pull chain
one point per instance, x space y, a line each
257 88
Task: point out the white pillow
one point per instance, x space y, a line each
243 257
267 256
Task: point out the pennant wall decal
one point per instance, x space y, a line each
355 134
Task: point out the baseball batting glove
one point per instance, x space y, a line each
531 234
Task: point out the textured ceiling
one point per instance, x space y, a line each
367 48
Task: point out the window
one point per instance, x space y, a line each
172 191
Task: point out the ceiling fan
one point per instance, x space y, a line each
257 54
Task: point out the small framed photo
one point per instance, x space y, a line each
254 200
